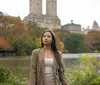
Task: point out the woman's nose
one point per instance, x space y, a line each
46 37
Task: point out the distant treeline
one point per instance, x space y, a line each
26 37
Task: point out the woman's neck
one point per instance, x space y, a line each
47 47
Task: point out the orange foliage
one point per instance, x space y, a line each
12 20
17 20
4 44
92 41
12 27
92 37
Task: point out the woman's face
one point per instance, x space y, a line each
47 38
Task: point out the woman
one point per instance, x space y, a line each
46 66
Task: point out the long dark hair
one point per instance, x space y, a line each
53 46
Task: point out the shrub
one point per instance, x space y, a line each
9 77
87 74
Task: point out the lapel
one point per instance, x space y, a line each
42 57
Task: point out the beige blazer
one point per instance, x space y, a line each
37 68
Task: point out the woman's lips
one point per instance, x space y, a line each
45 41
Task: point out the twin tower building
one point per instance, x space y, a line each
49 20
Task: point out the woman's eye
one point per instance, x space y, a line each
43 36
49 36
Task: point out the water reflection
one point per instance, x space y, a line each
20 64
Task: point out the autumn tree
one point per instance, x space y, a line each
92 41
12 27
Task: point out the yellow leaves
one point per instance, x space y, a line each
62 45
38 42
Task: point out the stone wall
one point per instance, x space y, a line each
49 20
51 7
72 27
36 7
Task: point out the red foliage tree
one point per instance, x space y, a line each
4 44
92 40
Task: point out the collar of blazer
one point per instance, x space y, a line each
41 57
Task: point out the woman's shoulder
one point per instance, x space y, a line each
35 50
59 52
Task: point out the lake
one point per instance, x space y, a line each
21 63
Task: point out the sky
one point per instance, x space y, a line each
82 12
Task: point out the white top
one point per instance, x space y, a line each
48 65
49 75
